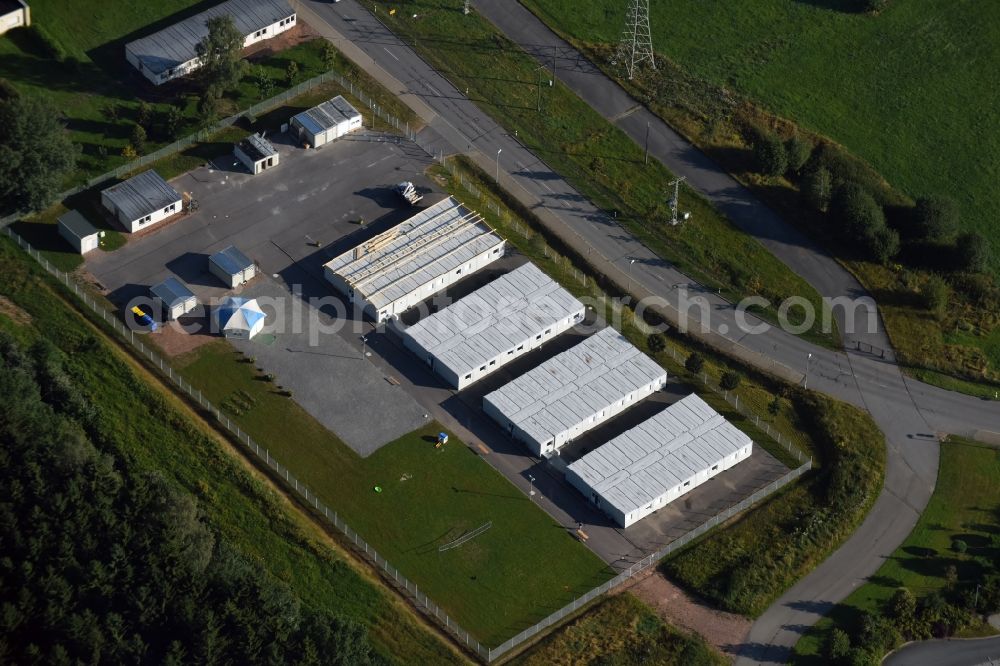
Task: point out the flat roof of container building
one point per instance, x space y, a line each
494 319
77 224
257 147
660 453
327 115
231 260
171 291
578 383
437 240
142 195
178 43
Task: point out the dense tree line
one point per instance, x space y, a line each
101 564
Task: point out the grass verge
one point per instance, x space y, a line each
965 508
600 160
154 432
620 630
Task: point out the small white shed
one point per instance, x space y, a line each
324 123
256 153
78 232
232 267
175 299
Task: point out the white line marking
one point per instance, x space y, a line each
431 88
390 53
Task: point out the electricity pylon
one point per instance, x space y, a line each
636 45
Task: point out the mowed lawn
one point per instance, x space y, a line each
965 506
913 90
517 572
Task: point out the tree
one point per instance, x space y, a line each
694 363
172 121
36 154
838 646
972 254
799 151
935 294
774 407
138 139
935 219
329 56
656 343
291 72
208 105
265 84
220 51
884 244
144 114
863 222
730 380
770 155
817 187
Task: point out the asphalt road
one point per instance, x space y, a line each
971 652
909 413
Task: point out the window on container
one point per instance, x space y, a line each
469 376
458 272
493 362
496 251
520 348
538 337
548 331
716 467
687 483
481 368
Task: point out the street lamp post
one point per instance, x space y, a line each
499 150
364 341
805 384
531 485
630 262
538 103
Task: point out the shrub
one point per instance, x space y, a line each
972 254
863 222
730 380
694 363
172 120
770 156
959 546
128 152
935 219
817 187
884 244
291 72
143 114
138 139
798 151
838 646
935 294
656 343
774 407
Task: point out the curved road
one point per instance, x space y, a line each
909 413
966 652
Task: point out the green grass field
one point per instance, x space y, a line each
493 585
600 160
965 505
148 430
910 90
99 92
620 630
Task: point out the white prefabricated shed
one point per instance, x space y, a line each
256 153
142 201
14 14
575 391
237 317
493 325
173 51
78 232
662 458
415 259
324 123
175 299
232 267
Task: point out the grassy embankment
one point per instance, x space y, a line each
766 65
156 433
600 161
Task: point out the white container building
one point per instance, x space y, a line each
142 201
78 232
232 267
173 51
659 460
575 391
256 153
432 250
493 325
14 14
324 123
174 299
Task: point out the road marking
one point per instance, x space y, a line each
431 88
390 53
483 448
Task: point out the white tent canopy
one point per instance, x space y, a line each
238 317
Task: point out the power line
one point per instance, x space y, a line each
636 45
